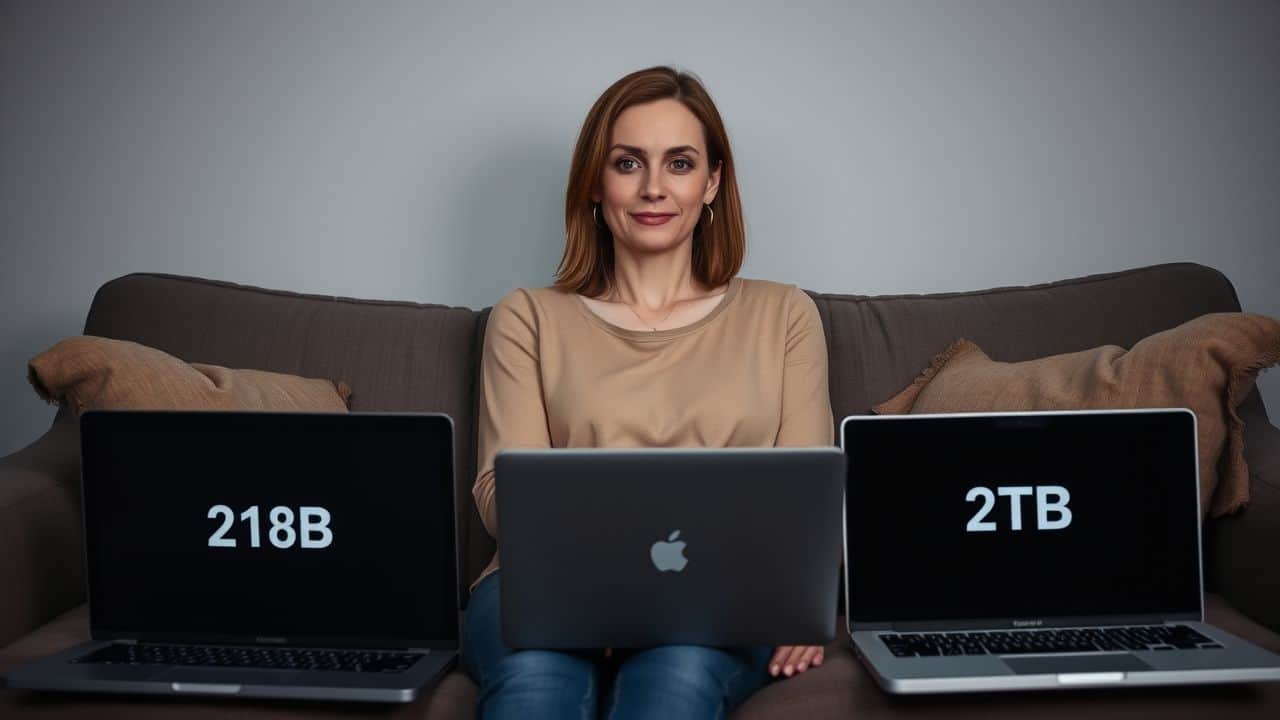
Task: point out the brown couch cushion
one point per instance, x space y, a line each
1207 364
95 373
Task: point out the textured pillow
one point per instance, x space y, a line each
95 373
1208 365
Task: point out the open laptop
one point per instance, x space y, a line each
638 548
1031 550
281 555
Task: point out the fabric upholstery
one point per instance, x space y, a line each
41 536
877 345
93 373
1239 560
406 356
1207 364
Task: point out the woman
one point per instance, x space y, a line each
647 339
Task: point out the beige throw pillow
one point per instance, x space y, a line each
1208 365
88 373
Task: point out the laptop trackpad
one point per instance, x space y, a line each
1075 664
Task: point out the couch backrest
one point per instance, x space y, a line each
878 345
400 356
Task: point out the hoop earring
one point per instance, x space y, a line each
699 228
595 219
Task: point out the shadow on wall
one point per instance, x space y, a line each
508 216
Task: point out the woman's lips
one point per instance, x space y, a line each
651 218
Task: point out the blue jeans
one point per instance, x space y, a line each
675 681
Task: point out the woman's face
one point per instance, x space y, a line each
656 177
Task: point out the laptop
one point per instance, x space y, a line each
1031 550
646 547
264 554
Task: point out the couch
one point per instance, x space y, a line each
401 356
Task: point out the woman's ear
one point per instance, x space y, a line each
713 184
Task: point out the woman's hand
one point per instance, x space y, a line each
791 659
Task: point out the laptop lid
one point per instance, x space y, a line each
1018 520
659 546
301 529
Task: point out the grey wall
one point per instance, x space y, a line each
419 151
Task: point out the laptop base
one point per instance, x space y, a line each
1237 661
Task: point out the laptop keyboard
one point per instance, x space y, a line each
252 657
1068 640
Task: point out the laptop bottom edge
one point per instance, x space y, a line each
1069 681
1235 661
56 673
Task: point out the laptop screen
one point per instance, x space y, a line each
271 528
1022 520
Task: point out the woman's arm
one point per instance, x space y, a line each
806 421
806 400
512 412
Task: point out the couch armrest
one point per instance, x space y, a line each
41 532
1241 549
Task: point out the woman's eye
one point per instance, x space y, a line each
626 163
684 164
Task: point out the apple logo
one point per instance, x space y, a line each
669 556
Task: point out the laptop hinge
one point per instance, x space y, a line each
424 651
126 641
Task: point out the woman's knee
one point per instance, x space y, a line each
540 683
684 678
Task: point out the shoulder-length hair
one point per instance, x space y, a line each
718 248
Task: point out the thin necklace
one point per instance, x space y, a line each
642 322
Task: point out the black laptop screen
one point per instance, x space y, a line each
271 528
1022 519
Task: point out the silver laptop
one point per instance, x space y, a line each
280 555
1031 550
638 548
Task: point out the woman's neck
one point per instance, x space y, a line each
654 282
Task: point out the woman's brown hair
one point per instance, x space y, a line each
718 249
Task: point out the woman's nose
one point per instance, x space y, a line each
652 189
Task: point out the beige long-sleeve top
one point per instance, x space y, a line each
752 372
